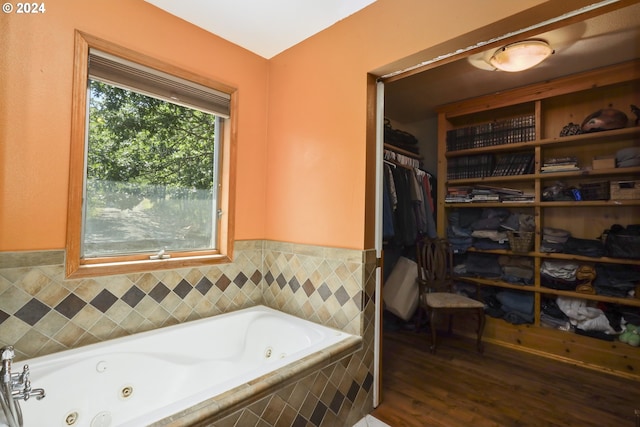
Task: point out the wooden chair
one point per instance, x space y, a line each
435 260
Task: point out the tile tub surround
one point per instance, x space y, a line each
41 313
339 394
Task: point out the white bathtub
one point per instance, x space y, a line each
176 374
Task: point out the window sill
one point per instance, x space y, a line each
142 266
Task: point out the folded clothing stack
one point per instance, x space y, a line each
628 157
517 270
585 247
553 239
616 280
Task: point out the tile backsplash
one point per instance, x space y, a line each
41 312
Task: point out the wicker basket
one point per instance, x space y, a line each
625 190
521 241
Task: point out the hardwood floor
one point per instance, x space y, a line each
459 387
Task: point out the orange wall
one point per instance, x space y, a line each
313 187
35 107
316 178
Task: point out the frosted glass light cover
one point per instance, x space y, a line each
520 56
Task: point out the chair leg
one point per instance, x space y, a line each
432 324
419 319
481 322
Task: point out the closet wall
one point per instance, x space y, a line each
409 207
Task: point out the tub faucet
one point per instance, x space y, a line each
14 387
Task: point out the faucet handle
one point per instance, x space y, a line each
7 353
20 377
27 392
6 356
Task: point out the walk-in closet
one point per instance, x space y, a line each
534 152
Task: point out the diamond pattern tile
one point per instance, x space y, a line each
256 277
294 284
32 312
104 300
159 292
3 316
240 279
269 278
324 291
342 296
70 306
204 285
222 283
331 286
133 296
182 289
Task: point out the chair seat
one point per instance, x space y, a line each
450 300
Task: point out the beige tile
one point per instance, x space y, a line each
87 317
103 328
4 284
117 285
343 255
170 302
31 258
223 304
33 282
51 323
146 305
12 329
86 339
181 312
53 294
31 342
193 276
193 298
158 316
69 334
119 311
87 289
13 299
204 307
132 323
146 282
171 279
14 274
51 346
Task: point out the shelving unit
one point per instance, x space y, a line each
553 104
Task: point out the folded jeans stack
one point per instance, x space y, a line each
517 270
616 280
553 239
559 274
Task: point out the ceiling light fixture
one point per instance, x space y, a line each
520 56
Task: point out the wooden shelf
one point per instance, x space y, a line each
555 104
401 151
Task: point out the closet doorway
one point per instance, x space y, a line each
599 35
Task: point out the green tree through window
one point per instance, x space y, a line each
150 181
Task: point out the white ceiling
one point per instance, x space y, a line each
266 28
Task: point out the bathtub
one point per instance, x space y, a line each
180 374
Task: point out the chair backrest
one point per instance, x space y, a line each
434 257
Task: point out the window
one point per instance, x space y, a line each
151 165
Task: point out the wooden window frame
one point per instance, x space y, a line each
75 265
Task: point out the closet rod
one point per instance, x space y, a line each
388 146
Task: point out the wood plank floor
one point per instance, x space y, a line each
459 387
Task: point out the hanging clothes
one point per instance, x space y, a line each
408 207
